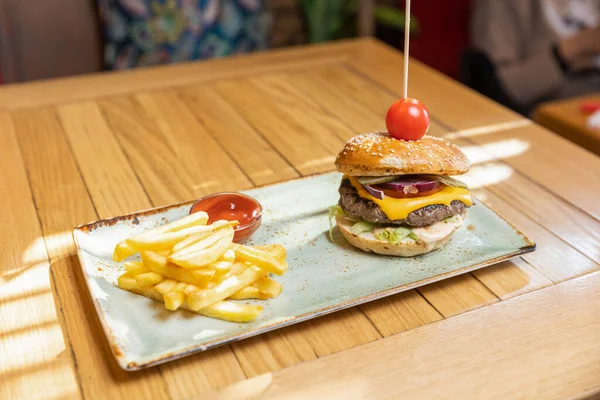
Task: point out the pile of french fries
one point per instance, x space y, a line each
190 265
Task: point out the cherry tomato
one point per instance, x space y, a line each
400 195
407 119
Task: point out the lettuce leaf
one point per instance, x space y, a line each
334 211
361 227
451 219
393 236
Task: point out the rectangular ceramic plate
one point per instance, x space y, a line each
323 277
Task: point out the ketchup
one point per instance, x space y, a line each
232 207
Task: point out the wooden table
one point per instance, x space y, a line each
566 118
79 149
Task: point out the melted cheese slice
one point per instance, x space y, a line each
400 208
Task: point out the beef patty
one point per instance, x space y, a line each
367 210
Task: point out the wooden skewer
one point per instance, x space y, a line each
406 42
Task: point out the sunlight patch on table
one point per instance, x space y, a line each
486 175
31 347
205 185
47 381
60 245
495 150
11 313
19 281
317 163
487 129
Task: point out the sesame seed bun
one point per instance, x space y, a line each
379 154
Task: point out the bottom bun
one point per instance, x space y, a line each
406 248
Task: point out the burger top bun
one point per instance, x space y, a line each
379 154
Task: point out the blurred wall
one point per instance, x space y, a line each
48 38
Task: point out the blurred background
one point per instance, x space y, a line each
521 53
44 39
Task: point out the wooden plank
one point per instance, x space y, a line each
295 104
511 278
93 86
132 122
156 164
274 350
64 203
457 295
95 150
311 147
199 373
30 337
79 119
243 144
343 330
571 224
507 339
461 108
561 167
574 227
179 384
367 115
304 342
401 312
208 164
290 137
554 257
172 154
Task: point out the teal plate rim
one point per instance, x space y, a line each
135 366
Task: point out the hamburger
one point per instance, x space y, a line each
397 197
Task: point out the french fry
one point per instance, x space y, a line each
127 282
122 251
175 297
233 270
159 264
233 312
276 250
135 267
165 286
195 219
165 241
225 310
221 267
247 293
190 288
268 285
204 298
180 287
173 300
229 255
225 232
149 278
260 258
193 266
263 289
204 252
196 238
